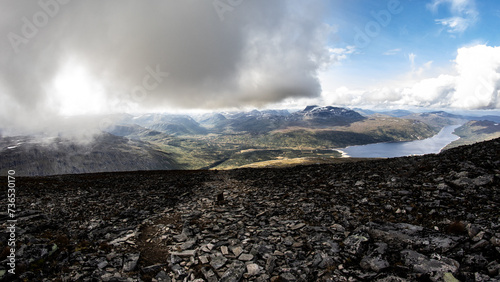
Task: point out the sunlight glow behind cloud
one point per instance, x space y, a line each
76 92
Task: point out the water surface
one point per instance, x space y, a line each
430 145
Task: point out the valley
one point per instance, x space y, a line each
228 140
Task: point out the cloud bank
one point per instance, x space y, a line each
62 56
474 83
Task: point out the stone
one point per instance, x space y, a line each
287 276
131 262
481 244
391 278
374 263
179 271
483 180
422 264
253 269
448 277
181 237
270 264
495 241
218 262
442 243
174 259
479 236
237 250
245 257
493 268
183 254
188 244
297 226
203 259
355 244
209 274
234 272
162 277
326 261
102 264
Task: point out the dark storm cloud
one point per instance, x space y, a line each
186 54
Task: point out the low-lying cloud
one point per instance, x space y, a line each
143 55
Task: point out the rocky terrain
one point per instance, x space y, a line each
427 218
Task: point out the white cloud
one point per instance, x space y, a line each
157 55
473 84
340 54
454 24
411 58
478 83
392 52
464 14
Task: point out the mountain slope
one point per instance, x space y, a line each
425 218
475 131
438 119
169 123
106 153
258 122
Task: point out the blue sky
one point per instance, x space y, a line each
419 42
413 31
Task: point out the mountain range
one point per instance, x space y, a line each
223 140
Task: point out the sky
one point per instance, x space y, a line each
67 58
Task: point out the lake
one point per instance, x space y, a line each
400 149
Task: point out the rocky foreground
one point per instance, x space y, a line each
429 218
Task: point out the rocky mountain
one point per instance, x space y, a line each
105 152
211 120
265 121
168 123
437 119
493 118
442 118
397 113
426 218
318 116
133 131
